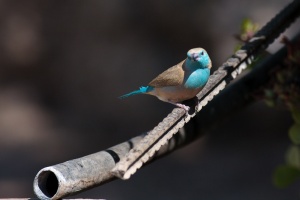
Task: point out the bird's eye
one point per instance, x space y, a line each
202 53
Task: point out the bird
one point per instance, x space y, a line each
180 82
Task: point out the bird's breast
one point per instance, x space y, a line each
197 78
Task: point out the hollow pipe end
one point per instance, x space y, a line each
46 184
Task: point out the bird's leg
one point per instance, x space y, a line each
196 100
186 108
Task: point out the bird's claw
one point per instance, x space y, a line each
186 108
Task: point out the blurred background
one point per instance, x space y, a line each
64 63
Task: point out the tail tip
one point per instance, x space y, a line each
122 97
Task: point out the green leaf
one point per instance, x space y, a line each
293 156
285 175
296 115
247 25
294 133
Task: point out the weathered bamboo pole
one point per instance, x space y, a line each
72 176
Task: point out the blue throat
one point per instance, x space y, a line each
199 73
192 65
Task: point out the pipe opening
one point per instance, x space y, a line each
48 183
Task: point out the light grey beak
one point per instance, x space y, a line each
195 56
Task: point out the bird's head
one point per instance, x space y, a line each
198 56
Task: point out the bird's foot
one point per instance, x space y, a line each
186 108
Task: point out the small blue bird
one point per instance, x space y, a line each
180 82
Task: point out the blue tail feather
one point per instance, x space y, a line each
142 90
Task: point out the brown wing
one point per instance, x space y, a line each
171 77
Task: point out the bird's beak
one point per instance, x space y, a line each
195 56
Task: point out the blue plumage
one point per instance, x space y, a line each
142 90
180 82
197 79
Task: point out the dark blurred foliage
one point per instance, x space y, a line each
284 89
64 63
